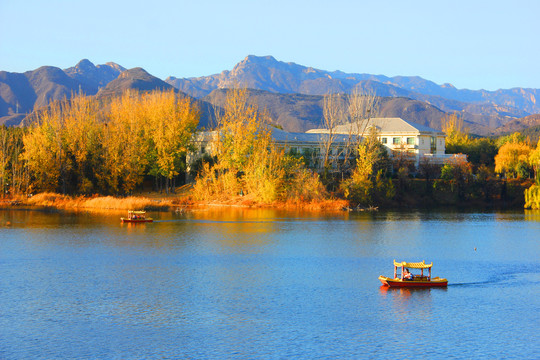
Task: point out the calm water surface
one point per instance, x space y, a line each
263 284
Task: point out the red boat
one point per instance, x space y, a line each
407 279
136 217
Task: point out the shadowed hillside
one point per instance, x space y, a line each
23 93
299 113
484 109
291 93
94 77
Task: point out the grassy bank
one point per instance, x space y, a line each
414 193
59 201
160 202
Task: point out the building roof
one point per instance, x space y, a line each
342 133
307 137
413 265
383 126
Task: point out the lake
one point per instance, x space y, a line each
232 283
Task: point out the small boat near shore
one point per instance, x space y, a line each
136 217
407 279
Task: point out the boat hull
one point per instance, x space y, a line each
434 282
136 220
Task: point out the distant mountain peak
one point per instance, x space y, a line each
92 77
136 79
135 73
114 66
258 61
255 58
85 64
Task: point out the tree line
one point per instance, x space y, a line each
87 146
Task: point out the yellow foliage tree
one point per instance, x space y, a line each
124 143
534 160
457 136
511 158
6 145
247 160
171 121
82 137
44 152
248 163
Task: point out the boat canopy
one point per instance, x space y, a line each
137 212
413 265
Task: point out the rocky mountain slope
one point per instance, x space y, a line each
484 108
519 124
299 113
291 93
22 93
94 77
135 79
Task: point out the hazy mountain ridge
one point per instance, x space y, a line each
93 77
299 113
291 93
22 93
136 79
520 124
266 73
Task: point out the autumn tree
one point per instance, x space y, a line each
125 145
457 135
333 115
242 147
481 151
12 170
534 160
248 162
6 145
171 122
368 183
362 106
458 173
19 175
44 150
82 137
512 158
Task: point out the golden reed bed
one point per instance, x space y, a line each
163 203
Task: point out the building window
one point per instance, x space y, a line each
396 140
384 140
410 141
203 149
433 145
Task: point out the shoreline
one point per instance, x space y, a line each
413 197
157 202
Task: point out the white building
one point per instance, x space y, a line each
398 135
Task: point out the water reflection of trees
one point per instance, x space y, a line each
532 215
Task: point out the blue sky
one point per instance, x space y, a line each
470 44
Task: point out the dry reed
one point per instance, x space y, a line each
103 202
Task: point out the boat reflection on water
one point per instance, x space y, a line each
409 303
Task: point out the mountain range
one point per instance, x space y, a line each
266 73
291 93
